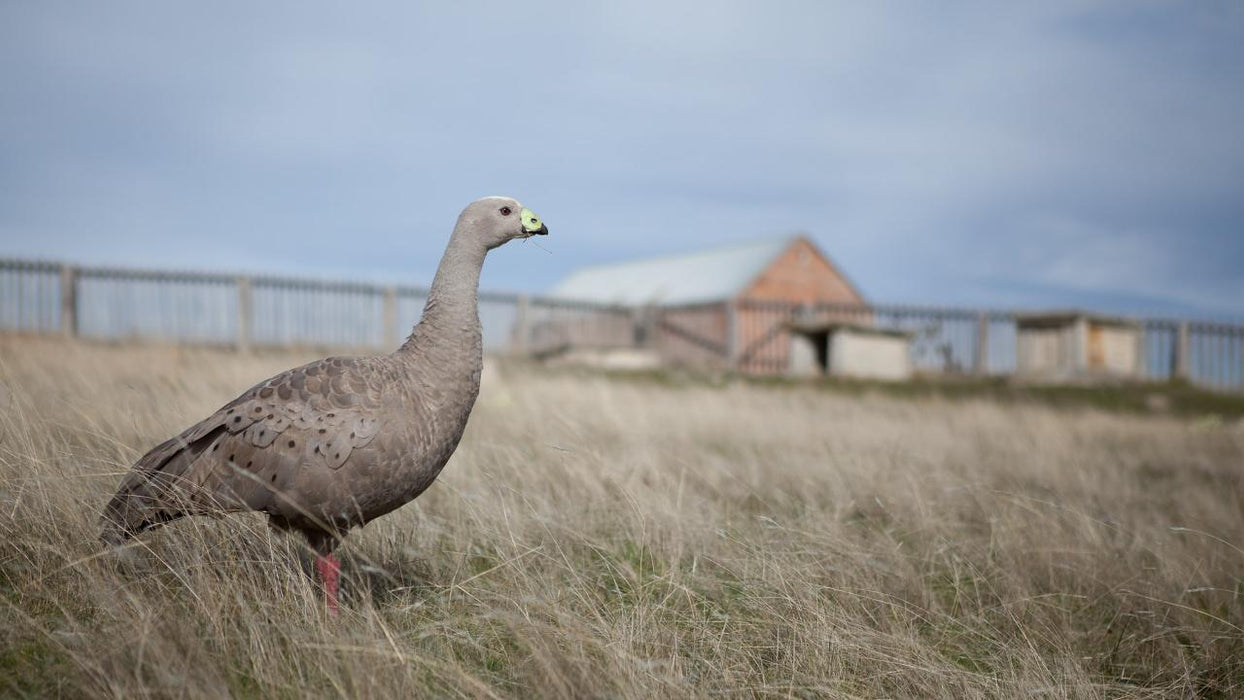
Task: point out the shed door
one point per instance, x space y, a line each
1096 348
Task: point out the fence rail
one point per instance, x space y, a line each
752 336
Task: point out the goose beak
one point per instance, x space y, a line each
532 225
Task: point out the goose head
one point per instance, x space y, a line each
498 220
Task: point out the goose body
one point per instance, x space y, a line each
337 442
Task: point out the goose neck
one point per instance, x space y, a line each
449 327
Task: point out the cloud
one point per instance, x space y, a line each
956 153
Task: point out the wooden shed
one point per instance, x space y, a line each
1074 344
849 350
709 307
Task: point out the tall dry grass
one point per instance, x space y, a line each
603 537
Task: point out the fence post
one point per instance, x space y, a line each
732 334
244 314
390 317
982 344
1181 351
522 330
68 301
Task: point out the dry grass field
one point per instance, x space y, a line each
606 537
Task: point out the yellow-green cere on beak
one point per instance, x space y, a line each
532 225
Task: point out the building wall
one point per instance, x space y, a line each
869 356
1048 350
800 275
1113 349
567 327
692 335
763 343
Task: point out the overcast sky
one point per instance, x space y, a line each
1085 153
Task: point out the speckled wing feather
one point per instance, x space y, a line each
250 454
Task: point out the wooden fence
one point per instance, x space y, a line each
268 311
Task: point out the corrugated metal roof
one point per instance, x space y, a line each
1066 317
688 278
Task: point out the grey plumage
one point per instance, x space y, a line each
335 443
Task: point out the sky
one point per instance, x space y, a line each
987 154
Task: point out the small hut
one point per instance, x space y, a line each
849 350
1063 345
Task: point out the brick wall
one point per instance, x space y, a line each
800 275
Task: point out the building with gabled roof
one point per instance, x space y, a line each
709 306
786 268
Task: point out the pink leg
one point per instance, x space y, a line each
329 571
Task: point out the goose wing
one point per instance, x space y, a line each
252 451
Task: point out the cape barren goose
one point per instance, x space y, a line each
333 444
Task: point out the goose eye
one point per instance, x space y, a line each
505 211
